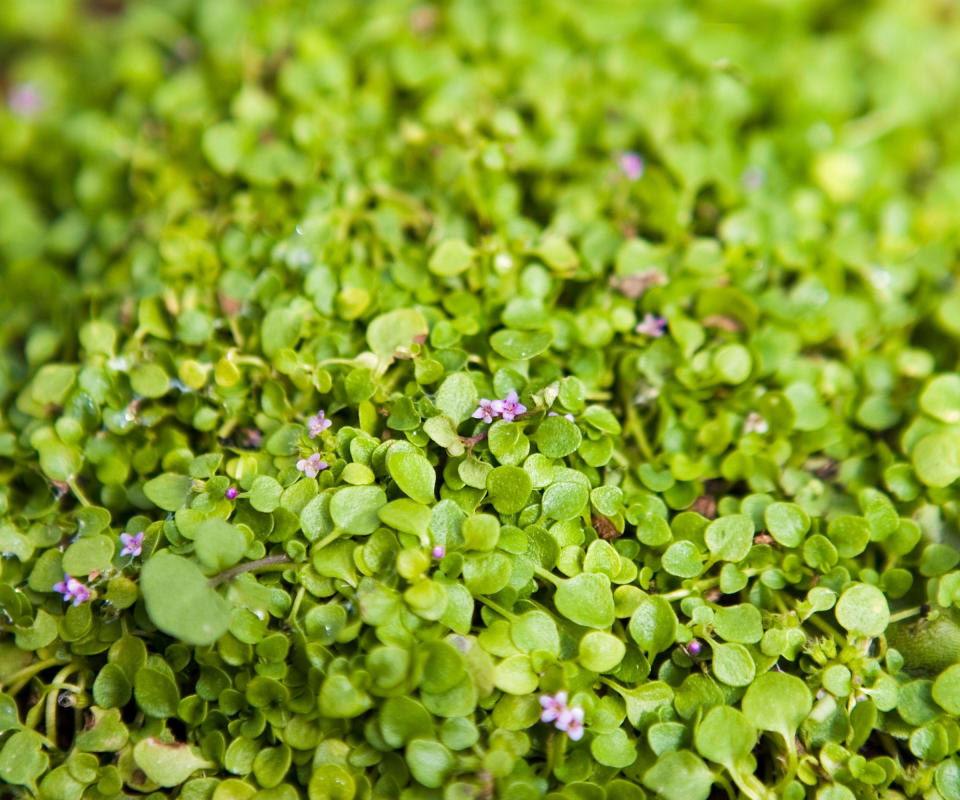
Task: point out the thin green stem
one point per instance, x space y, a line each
29 671
827 628
77 491
497 607
614 685
268 563
295 608
906 614
546 575
635 426
335 534
54 687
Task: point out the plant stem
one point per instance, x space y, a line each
295 608
546 575
29 671
77 491
497 607
270 562
50 718
905 614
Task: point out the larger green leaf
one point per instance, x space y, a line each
180 602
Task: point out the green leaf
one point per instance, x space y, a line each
509 489
330 782
586 599
740 623
520 345
403 719
726 736
88 554
414 475
156 693
265 493
679 775
615 749
457 397
565 499
730 538
355 509
557 437
787 523
733 665
395 330
22 760
777 702
515 675
653 625
429 761
224 144
601 652
106 733
218 544
407 516
451 257
946 689
941 398
179 601
168 491
168 764
936 458
862 609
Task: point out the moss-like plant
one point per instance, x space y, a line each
479 400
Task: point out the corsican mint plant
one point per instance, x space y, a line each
472 400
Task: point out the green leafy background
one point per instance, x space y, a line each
219 216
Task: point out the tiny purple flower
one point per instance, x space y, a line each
571 721
565 416
439 551
694 647
631 165
25 101
72 589
318 424
510 407
553 706
132 545
312 466
652 325
486 410
755 423
232 493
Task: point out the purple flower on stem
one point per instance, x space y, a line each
439 551
231 493
312 466
694 647
571 721
132 545
565 416
72 589
652 325
318 424
510 407
631 165
486 410
553 706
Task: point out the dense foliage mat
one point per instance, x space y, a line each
479 400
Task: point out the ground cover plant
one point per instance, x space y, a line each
479 400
